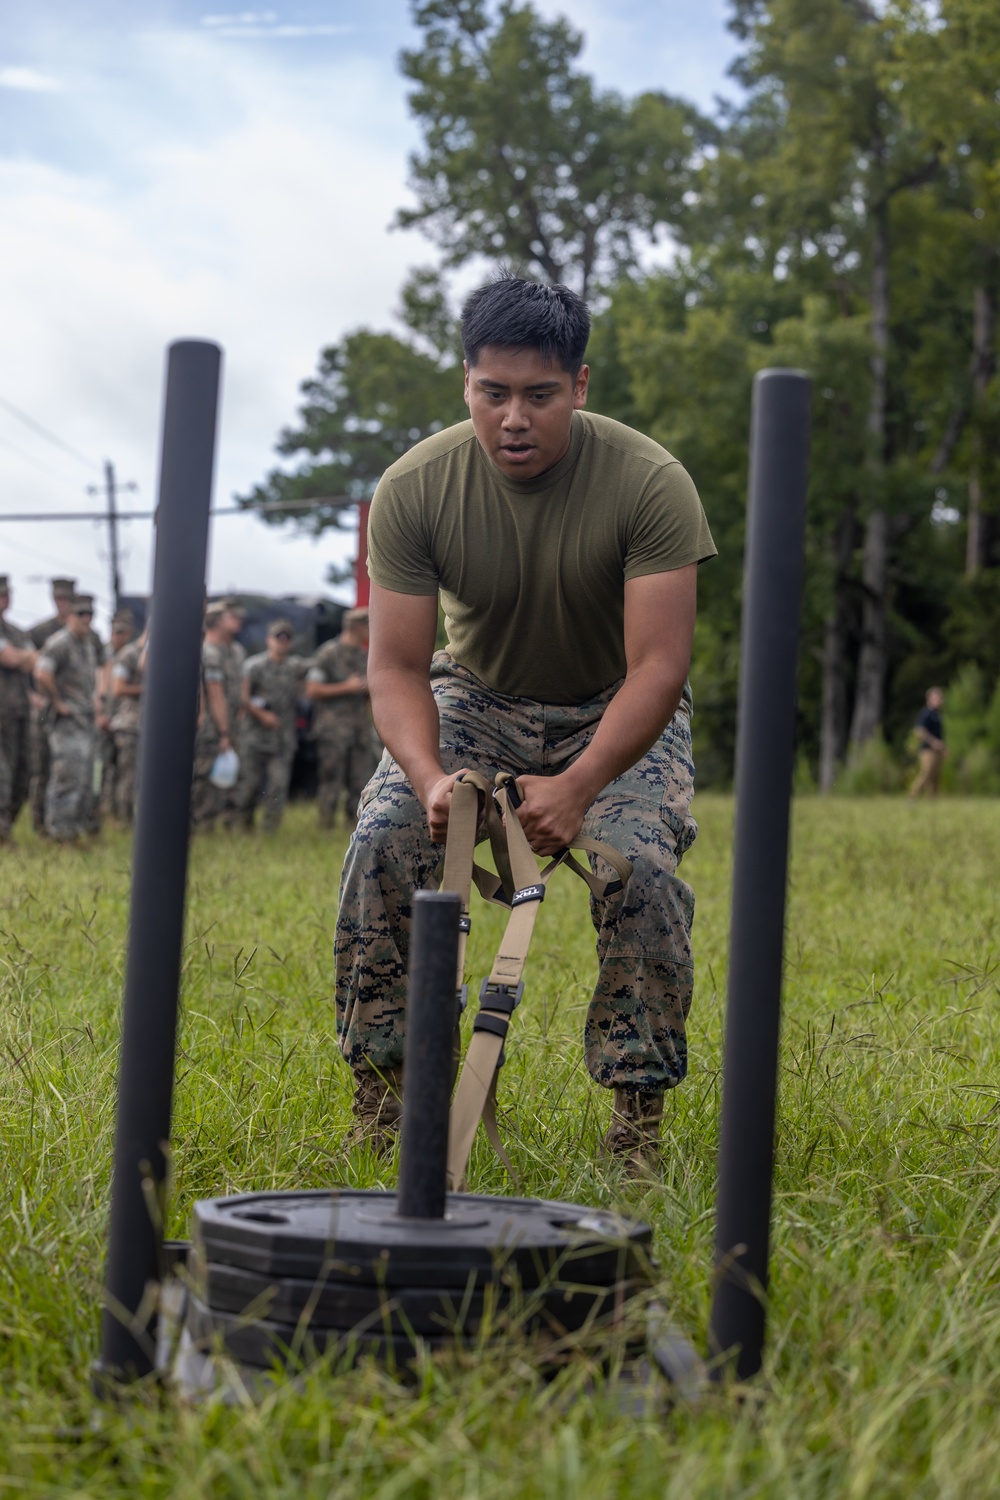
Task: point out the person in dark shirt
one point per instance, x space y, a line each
932 746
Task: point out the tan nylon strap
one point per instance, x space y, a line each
463 827
475 1081
475 1095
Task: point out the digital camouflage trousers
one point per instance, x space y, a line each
346 757
635 1028
126 774
265 776
15 765
40 765
69 796
209 803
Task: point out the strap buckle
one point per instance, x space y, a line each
465 923
500 997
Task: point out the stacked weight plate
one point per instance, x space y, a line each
286 1276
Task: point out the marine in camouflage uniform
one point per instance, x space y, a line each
563 547
222 662
271 686
342 723
127 672
67 671
17 657
122 631
63 590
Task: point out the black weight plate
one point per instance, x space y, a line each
262 1342
422 1310
356 1235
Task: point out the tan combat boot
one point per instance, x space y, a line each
378 1105
633 1135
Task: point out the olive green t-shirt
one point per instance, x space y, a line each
532 572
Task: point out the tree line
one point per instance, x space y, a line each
843 217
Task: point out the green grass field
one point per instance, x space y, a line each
883 1370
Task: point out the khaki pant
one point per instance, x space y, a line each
634 1034
928 777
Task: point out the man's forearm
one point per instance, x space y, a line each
633 721
320 690
47 683
217 708
406 718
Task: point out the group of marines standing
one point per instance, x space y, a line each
70 713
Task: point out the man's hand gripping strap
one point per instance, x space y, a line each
520 887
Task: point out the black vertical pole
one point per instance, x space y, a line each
765 750
431 1014
159 860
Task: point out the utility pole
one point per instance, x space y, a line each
111 492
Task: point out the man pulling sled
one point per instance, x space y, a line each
564 547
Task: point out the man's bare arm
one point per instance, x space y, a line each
18 658
47 682
351 687
403 628
659 628
218 709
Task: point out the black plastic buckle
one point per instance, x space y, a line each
502 997
462 996
465 924
528 893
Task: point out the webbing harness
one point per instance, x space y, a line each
519 886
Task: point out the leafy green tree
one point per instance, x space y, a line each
524 159
951 63
373 396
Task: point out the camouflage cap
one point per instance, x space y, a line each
354 617
123 617
4 584
232 607
63 588
213 614
279 627
82 602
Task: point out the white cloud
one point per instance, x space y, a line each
283 32
28 80
267 232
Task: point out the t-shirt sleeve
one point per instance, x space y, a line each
53 658
399 552
211 666
668 528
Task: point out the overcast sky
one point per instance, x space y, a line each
167 171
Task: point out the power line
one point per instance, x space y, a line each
49 560
50 437
270 507
36 463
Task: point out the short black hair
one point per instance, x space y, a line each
512 313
